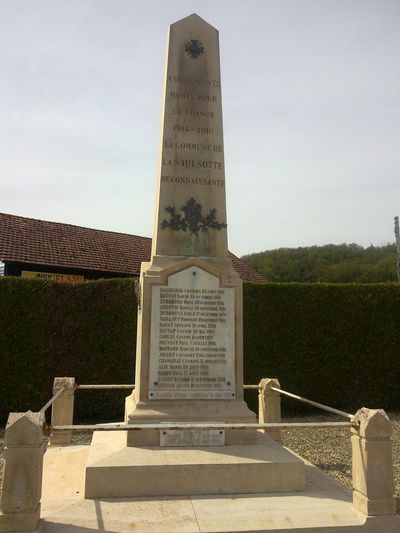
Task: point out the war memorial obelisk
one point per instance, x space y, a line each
189 355
189 347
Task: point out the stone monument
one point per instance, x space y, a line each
189 348
189 355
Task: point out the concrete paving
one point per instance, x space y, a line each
325 506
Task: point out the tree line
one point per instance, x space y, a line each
343 263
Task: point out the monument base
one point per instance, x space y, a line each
115 470
189 364
324 506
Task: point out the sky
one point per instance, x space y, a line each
311 107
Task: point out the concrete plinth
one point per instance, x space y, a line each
116 470
324 506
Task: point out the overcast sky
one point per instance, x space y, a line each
311 105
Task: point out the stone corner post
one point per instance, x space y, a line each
269 406
62 412
372 467
22 480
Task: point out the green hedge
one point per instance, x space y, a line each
337 344
49 329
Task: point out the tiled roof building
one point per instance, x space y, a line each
27 244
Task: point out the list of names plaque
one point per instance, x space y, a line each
192 347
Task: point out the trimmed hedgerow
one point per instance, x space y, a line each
336 344
49 329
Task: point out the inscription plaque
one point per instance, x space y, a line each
192 437
192 345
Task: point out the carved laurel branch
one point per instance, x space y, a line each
192 219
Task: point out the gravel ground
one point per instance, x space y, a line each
328 449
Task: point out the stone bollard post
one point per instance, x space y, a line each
269 406
62 411
373 486
22 479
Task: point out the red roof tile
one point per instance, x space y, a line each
27 240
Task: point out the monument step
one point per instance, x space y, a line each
115 470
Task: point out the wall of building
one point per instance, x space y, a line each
15 269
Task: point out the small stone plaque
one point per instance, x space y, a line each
192 346
192 437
